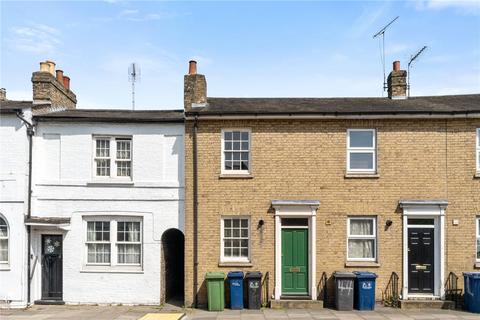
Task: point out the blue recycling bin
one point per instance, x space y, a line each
235 282
364 290
471 298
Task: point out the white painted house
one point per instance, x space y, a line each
13 204
107 207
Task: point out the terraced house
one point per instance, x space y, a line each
298 188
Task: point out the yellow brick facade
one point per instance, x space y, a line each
306 159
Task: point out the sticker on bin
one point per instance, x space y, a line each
367 285
235 284
254 284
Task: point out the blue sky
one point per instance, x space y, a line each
245 49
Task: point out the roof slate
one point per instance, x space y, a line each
280 106
113 115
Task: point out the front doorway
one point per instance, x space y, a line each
52 267
295 260
421 262
173 266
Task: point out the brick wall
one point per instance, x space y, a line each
305 159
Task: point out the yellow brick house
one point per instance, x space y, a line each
298 188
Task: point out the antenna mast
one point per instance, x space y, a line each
412 59
378 34
133 76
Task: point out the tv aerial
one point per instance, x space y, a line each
133 76
413 57
381 33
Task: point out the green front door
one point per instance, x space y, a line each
294 261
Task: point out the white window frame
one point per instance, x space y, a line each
87 242
113 157
222 235
372 150
245 172
6 262
478 150
363 237
113 241
477 237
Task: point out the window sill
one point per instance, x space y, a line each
235 176
351 175
235 264
115 270
5 267
477 265
477 175
110 183
366 264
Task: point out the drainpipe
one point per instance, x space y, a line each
30 133
195 215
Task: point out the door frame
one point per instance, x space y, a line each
296 209
426 210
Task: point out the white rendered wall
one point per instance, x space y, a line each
63 187
13 182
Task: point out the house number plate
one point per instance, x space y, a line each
420 267
295 269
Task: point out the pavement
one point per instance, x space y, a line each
81 312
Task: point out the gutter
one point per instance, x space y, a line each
30 133
335 115
195 213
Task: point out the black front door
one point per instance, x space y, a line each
52 269
420 260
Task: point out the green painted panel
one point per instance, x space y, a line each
294 261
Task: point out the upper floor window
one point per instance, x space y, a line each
478 150
113 157
362 239
236 151
3 240
235 246
114 241
478 239
361 150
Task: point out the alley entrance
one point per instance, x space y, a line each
173 266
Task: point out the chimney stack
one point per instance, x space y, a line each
52 88
397 82
195 88
3 94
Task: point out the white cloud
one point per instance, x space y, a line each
396 48
19 95
461 6
368 19
34 38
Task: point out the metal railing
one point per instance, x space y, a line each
452 292
322 288
391 294
266 291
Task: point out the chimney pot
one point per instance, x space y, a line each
59 74
44 67
396 65
192 67
3 94
66 82
51 67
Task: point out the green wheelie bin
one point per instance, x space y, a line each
215 290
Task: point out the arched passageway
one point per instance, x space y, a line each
173 266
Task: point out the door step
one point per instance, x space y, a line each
427 303
296 304
52 302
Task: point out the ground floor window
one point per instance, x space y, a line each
478 239
235 232
113 241
362 239
3 240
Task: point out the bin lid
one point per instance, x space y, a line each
365 274
340 274
215 275
475 275
254 274
235 274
